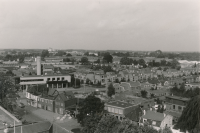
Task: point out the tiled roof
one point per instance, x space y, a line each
152 115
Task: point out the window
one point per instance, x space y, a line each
53 79
64 85
54 85
48 79
179 108
173 106
49 108
59 85
39 105
109 109
116 111
58 79
120 111
63 78
153 122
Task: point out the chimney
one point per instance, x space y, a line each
144 112
38 65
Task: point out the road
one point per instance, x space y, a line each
32 114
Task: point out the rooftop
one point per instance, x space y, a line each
120 104
33 128
45 75
178 98
152 115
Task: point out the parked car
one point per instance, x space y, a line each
21 105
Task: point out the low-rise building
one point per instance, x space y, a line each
156 120
120 109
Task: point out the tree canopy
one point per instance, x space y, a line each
107 57
84 60
126 61
190 118
111 90
91 106
45 53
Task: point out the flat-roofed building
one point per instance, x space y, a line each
120 109
52 81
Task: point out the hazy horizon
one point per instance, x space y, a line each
137 25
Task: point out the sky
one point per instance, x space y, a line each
147 25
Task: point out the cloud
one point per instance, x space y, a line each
111 24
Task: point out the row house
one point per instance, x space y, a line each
94 77
156 120
111 76
63 101
176 81
176 104
118 88
122 110
191 79
155 83
32 97
100 78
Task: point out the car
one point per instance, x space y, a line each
21 105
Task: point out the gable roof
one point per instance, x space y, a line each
152 115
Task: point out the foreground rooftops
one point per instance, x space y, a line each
120 104
178 98
32 128
152 115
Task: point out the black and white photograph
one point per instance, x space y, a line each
99 66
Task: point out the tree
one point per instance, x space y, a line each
144 93
86 53
90 123
97 61
107 69
135 62
165 130
60 53
21 59
68 54
45 53
163 62
107 124
84 60
90 106
66 60
116 80
126 61
111 90
8 93
190 118
108 57
174 63
141 62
